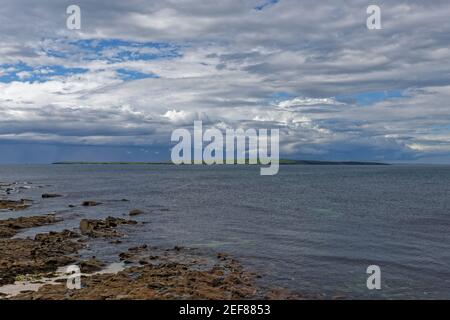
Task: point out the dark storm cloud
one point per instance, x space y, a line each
229 63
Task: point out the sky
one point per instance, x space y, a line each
136 70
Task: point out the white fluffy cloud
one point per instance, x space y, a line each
300 66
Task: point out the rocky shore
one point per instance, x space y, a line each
147 272
13 205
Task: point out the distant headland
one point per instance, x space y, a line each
281 162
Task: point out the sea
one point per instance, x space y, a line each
311 229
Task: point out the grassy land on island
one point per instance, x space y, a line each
110 162
281 162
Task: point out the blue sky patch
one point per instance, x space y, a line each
367 98
128 75
24 73
114 50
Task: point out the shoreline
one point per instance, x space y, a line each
32 268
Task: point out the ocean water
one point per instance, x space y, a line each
311 229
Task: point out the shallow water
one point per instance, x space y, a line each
312 229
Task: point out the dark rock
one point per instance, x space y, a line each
45 253
125 256
103 228
222 256
216 282
14 205
135 212
51 195
91 265
90 203
169 279
10 227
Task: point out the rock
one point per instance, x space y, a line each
14 205
135 212
45 253
10 227
86 226
71 206
222 256
216 282
51 195
125 256
170 279
103 228
90 203
53 236
175 275
91 265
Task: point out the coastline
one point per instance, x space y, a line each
280 162
34 268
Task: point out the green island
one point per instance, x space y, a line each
281 162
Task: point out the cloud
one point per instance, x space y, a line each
137 70
307 102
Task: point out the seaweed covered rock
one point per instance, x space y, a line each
9 227
14 205
103 228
